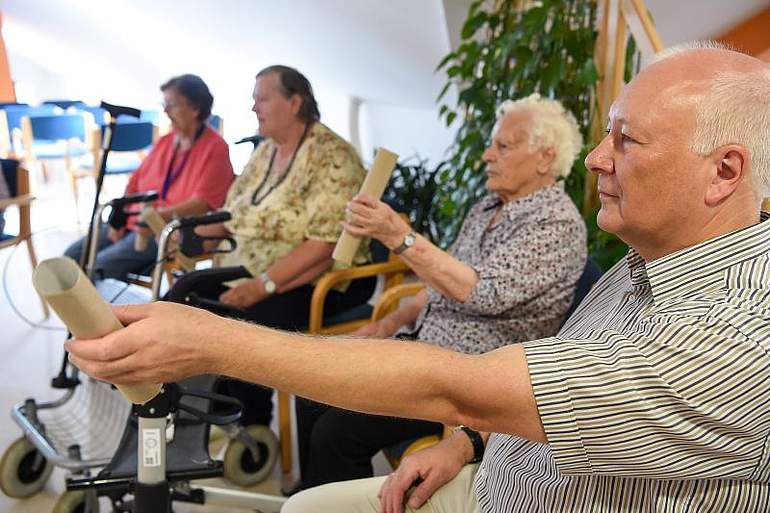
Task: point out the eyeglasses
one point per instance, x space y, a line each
173 105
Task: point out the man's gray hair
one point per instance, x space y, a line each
734 109
551 126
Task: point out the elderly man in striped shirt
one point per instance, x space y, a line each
653 397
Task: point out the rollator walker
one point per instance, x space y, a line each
142 457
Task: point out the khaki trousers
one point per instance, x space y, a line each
360 496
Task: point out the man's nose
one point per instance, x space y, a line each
599 160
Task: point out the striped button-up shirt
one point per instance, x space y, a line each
655 395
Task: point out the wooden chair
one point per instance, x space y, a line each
17 178
393 271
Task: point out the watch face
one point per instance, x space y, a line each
270 286
409 240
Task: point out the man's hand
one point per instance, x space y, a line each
115 235
162 342
244 295
368 217
435 466
384 328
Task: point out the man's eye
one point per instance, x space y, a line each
627 138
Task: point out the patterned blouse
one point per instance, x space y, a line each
308 203
528 263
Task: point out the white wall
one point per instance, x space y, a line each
382 53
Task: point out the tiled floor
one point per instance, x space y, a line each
30 356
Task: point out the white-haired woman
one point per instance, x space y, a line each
509 277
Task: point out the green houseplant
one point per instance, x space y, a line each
509 49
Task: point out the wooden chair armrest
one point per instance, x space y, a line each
332 278
389 299
21 201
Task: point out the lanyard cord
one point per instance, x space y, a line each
257 200
172 175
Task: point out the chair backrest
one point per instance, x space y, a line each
216 122
14 113
99 114
133 136
64 104
58 127
145 115
591 274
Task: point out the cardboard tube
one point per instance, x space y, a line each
374 185
153 219
61 282
140 241
156 223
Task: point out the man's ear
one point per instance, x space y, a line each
732 167
545 163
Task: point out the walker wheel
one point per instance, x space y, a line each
23 470
240 467
78 501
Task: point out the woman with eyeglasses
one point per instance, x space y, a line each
287 207
189 168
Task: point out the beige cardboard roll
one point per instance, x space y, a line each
140 241
153 219
156 223
61 282
374 184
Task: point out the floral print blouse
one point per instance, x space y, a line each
308 203
528 263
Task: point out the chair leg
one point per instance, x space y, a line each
284 430
33 261
44 171
74 184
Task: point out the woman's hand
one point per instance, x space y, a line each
211 230
115 235
245 294
434 467
368 217
384 328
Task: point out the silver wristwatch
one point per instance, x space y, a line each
408 242
268 284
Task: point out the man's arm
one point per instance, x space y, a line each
167 342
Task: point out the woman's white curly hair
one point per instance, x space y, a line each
552 126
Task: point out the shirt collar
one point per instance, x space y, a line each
694 267
533 201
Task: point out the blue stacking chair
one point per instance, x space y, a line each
216 122
55 137
10 125
98 113
130 143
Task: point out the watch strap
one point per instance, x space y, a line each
408 242
267 283
476 441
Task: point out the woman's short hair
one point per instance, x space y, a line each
551 126
291 82
194 90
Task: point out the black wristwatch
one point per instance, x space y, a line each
476 441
